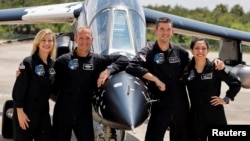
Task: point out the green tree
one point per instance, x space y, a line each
221 8
237 10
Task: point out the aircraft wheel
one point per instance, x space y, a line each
120 136
7 130
123 135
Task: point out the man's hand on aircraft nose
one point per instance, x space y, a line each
102 77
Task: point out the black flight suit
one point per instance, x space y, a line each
201 87
74 84
171 110
31 92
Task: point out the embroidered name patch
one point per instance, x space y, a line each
174 59
87 67
207 76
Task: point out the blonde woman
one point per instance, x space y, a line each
32 89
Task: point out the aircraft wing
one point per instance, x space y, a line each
192 27
68 12
56 13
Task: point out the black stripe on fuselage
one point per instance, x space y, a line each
12 14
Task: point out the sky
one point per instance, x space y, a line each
192 4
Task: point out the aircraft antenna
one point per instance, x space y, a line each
128 90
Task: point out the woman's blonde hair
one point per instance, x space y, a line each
38 38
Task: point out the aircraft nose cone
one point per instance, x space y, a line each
125 100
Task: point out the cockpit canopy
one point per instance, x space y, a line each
116 29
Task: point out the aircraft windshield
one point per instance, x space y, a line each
100 32
121 36
117 29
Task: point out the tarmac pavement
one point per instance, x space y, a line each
11 54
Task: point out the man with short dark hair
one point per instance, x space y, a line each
163 66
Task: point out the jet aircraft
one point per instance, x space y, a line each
119 27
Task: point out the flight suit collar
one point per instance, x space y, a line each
208 65
36 57
74 54
157 47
